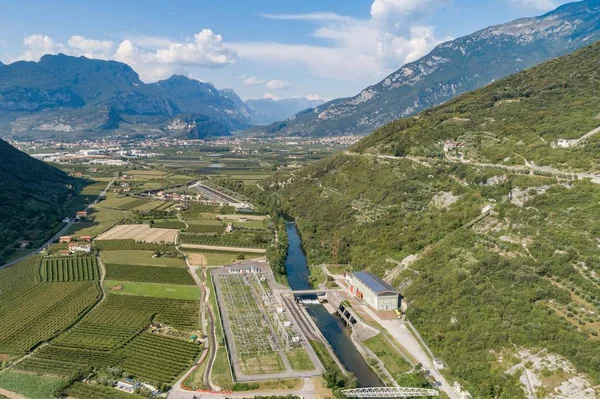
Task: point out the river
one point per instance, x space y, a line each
332 328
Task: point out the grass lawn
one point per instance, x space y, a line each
219 258
137 257
30 385
251 224
323 354
221 373
114 201
262 364
204 222
299 359
394 362
196 379
170 291
149 206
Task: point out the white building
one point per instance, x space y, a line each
563 143
373 290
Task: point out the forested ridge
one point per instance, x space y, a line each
32 194
525 277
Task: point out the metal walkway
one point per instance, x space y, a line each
386 392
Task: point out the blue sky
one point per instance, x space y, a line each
309 48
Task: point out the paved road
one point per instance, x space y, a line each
401 334
204 310
10 394
529 167
307 391
61 232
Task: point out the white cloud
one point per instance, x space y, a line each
382 10
316 97
37 45
271 96
152 57
205 50
277 85
544 5
355 49
91 48
252 80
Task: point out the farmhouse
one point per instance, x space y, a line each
65 239
81 214
85 238
78 247
373 290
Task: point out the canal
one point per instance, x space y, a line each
332 328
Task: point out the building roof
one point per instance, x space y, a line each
377 285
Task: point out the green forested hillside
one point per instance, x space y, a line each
520 116
31 197
525 277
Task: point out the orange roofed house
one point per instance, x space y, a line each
65 239
81 214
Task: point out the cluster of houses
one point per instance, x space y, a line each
82 245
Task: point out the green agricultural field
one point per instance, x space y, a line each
159 359
238 240
132 245
169 291
114 201
32 312
83 268
61 361
149 274
91 391
215 258
148 205
99 221
30 385
138 257
169 224
108 326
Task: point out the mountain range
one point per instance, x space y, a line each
450 69
268 110
70 96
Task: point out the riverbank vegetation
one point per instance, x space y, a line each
333 376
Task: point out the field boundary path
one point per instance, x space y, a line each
204 310
61 232
528 167
226 249
10 394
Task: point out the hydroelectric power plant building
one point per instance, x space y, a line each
373 290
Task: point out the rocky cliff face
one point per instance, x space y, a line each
62 94
450 69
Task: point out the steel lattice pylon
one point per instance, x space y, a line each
386 392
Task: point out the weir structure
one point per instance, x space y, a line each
387 392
